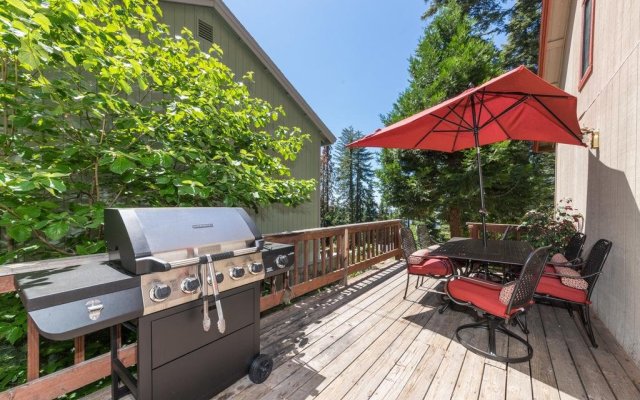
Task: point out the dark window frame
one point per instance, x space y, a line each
583 77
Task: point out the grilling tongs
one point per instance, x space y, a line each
206 321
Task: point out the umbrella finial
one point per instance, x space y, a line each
470 85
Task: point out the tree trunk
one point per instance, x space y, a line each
455 224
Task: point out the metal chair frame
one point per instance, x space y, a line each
591 272
520 301
409 246
573 251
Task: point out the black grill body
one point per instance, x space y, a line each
161 265
178 360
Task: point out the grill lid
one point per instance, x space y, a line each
139 239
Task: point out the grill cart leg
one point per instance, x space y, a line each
119 373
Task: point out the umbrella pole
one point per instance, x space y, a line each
483 210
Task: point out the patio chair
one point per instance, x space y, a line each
573 289
498 304
572 253
419 263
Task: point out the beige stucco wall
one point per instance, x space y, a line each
605 183
240 58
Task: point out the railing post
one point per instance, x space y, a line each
345 256
474 232
78 350
396 241
33 350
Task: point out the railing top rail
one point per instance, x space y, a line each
365 225
491 224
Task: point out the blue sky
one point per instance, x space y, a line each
348 59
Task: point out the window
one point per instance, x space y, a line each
586 51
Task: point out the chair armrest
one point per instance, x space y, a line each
571 276
571 264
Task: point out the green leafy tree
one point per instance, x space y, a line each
489 15
427 185
423 183
523 35
354 181
101 106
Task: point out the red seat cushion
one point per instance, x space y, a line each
485 296
431 266
549 269
552 286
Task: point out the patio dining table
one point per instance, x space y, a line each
505 252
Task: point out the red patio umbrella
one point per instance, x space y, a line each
518 105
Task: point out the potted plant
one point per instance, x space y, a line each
552 226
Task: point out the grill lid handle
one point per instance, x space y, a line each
154 264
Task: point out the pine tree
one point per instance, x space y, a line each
488 15
429 185
420 184
326 186
523 35
354 180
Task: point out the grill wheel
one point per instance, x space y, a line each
260 368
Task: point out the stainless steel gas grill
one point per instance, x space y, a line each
187 280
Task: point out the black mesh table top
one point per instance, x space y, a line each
513 252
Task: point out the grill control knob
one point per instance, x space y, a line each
282 261
160 292
236 272
219 278
256 268
190 284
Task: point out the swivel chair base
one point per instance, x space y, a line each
493 324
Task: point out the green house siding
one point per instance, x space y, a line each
241 59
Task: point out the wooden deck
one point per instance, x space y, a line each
365 342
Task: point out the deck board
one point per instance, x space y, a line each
366 342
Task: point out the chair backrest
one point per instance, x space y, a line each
529 278
408 242
573 249
424 239
595 262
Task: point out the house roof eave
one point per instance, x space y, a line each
553 35
246 37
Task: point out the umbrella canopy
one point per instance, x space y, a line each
518 105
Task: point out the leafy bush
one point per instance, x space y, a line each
102 107
549 226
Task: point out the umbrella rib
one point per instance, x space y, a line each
481 104
455 140
557 119
439 122
462 117
496 119
506 110
444 119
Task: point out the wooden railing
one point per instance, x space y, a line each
327 255
322 256
497 230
